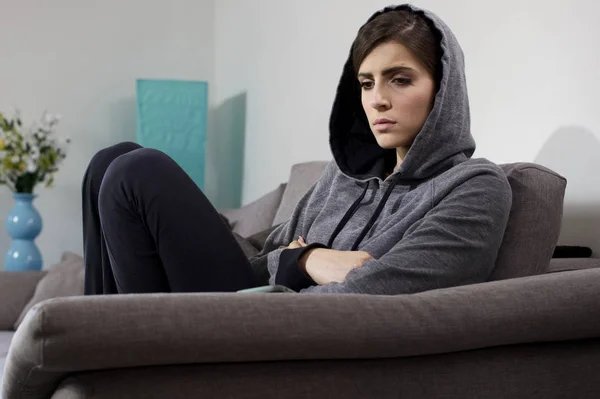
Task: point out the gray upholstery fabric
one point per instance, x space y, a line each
566 264
63 279
16 288
121 331
534 222
256 216
532 371
302 177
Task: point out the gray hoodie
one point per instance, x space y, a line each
436 222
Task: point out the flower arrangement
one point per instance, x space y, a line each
29 156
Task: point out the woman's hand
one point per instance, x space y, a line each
299 243
329 265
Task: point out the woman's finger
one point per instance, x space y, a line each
294 244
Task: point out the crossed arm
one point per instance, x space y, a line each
328 265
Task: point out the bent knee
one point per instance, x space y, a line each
138 161
103 158
134 167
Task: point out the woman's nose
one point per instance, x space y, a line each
379 99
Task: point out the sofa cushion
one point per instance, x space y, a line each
302 177
534 222
63 279
16 289
256 216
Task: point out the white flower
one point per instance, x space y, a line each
31 166
15 159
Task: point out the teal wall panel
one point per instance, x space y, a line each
172 117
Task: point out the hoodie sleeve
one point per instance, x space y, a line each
282 264
456 243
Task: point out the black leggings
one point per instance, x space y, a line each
147 227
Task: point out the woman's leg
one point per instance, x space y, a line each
98 274
162 233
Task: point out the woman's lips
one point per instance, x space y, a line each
383 125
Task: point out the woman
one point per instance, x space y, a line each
402 208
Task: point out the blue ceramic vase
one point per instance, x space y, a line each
23 224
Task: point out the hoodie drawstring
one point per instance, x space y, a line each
375 215
349 213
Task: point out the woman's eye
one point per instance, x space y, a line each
366 85
401 81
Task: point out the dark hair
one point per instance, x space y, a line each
410 29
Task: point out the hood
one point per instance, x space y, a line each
444 140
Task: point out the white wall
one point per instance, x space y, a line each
81 59
533 73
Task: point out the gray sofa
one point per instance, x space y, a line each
532 331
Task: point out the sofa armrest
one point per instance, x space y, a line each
16 289
66 335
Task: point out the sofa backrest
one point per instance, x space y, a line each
302 177
533 226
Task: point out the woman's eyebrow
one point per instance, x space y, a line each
387 71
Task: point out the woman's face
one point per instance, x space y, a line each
397 94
